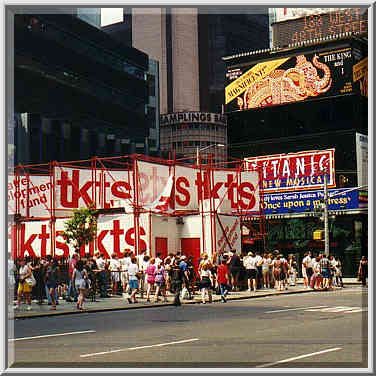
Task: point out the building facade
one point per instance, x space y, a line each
189 44
78 92
190 132
275 109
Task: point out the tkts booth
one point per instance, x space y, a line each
146 204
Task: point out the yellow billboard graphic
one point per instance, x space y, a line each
256 73
360 69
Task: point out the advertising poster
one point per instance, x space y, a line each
295 171
362 158
290 79
300 202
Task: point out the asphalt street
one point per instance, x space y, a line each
326 329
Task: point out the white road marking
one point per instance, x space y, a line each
294 309
51 335
337 309
140 347
299 357
356 310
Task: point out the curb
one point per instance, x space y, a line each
139 306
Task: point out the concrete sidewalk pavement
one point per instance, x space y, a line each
119 303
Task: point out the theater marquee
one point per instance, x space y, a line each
290 79
295 171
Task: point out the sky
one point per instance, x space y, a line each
111 15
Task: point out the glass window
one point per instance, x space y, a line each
151 84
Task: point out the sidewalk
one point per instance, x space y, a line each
119 303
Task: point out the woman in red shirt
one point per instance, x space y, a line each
222 278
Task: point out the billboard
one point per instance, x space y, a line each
320 25
362 158
290 79
295 171
284 14
300 202
360 73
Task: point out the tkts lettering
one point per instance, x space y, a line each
35 240
71 191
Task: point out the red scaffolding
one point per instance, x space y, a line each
50 192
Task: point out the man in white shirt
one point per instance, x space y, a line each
250 264
133 280
101 277
125 261
305 262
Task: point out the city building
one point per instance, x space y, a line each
78 92
189 44
306 95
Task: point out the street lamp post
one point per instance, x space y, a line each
206 147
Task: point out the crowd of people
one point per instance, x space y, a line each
79 279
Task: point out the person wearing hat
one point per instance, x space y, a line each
250 264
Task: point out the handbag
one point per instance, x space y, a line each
31 280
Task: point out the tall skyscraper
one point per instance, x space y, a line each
189 44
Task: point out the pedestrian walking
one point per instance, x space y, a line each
134 275
150 278
265 270
305 266
271 276
183 265
324 264
177 279
259 279
250 264
293 270
338 272
316 279
222 279
124 262
167 266
80 280
52 279
115 273
284 273
24 288
277 272
206 283
101 275
37 269
234 266
363 270
71 267
12 270
160 282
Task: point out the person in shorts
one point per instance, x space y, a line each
133 280
160 281
52 279
250 264
24 289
